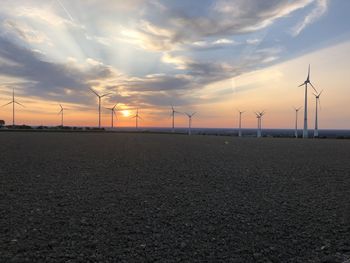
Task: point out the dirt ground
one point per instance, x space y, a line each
104 197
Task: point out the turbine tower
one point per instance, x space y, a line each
137 117
13 102
190 121
317 96
307 81
61 112
99 105
240 123
173 112
113 113
296 121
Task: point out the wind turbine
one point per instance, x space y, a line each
259 116
317 96
240 123
173 112
137 117
113 110
190 121
61 112
13 101
307 81
99 105
296 121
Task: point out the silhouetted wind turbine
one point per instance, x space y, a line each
240 123
190 121
317 96
99 105
173 112
307 81
259 116
296 121
61 112
137 117
113 113
13 106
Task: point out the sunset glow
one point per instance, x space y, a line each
125 113
212 57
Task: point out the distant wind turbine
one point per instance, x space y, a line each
61 112
137 117
113 113
173 112
13 102
317 96
296 121
240 123
190 121
259 116
307 81
99 105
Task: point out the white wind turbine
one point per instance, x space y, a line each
259 116
317 96
307 81
190 121
137 117
240 123
113 113
13 102
296 121
99 105
61 112
173 112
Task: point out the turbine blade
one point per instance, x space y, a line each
319 94
301 85
104 95
313 87
94 92
19 104
7 104
308 73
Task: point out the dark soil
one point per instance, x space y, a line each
171 198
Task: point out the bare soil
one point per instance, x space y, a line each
89 197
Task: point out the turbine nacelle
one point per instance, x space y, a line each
307 81
190 115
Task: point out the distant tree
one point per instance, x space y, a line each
2 123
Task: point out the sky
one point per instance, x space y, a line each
213 57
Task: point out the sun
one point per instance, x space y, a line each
126 113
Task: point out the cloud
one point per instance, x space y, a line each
24 32
212 45
163 37
46 79
253 41
166 30
319 10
